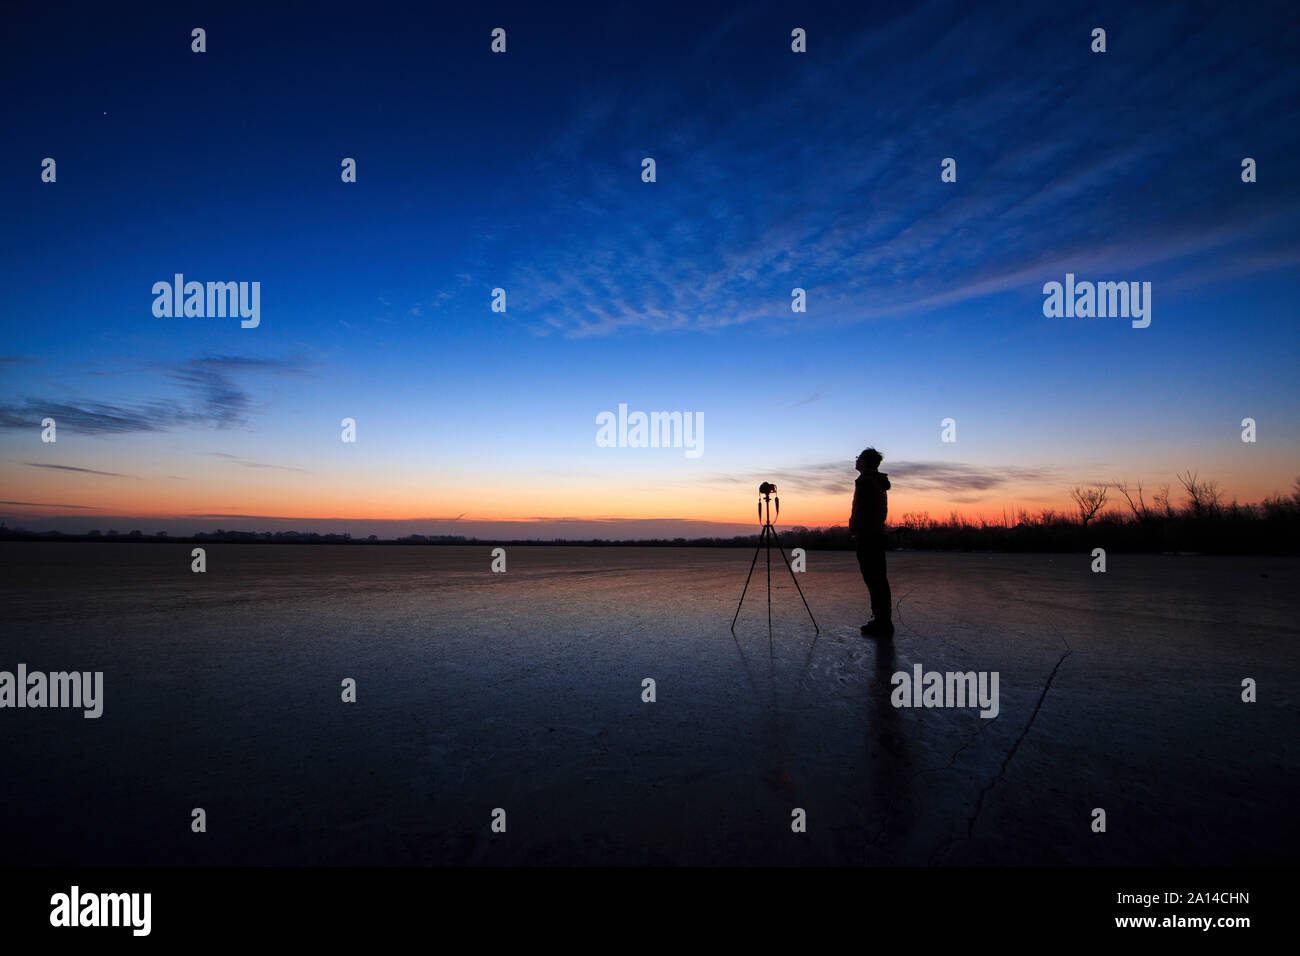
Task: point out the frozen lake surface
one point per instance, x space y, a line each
523 691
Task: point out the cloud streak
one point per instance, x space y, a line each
210 397
749 204
948 478
47 504
245 463
84 471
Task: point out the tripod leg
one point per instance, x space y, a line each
769 534
747 577
795 578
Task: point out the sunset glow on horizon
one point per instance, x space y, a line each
523 173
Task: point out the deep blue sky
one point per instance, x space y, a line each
522 171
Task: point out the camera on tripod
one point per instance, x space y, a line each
767 537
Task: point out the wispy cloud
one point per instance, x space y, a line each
215 399
240 517
47 504
794 189
949 478
85 471
245 463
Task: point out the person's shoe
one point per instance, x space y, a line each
878 628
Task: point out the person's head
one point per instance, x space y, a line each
869 460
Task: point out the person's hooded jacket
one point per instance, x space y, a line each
870 504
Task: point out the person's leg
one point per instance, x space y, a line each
871 562
865 563
882 599
873 572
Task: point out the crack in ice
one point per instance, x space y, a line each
979 803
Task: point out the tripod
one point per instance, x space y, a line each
767 538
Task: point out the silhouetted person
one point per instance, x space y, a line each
867 525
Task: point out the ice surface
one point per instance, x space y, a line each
523 691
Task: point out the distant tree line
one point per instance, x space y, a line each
1202 522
